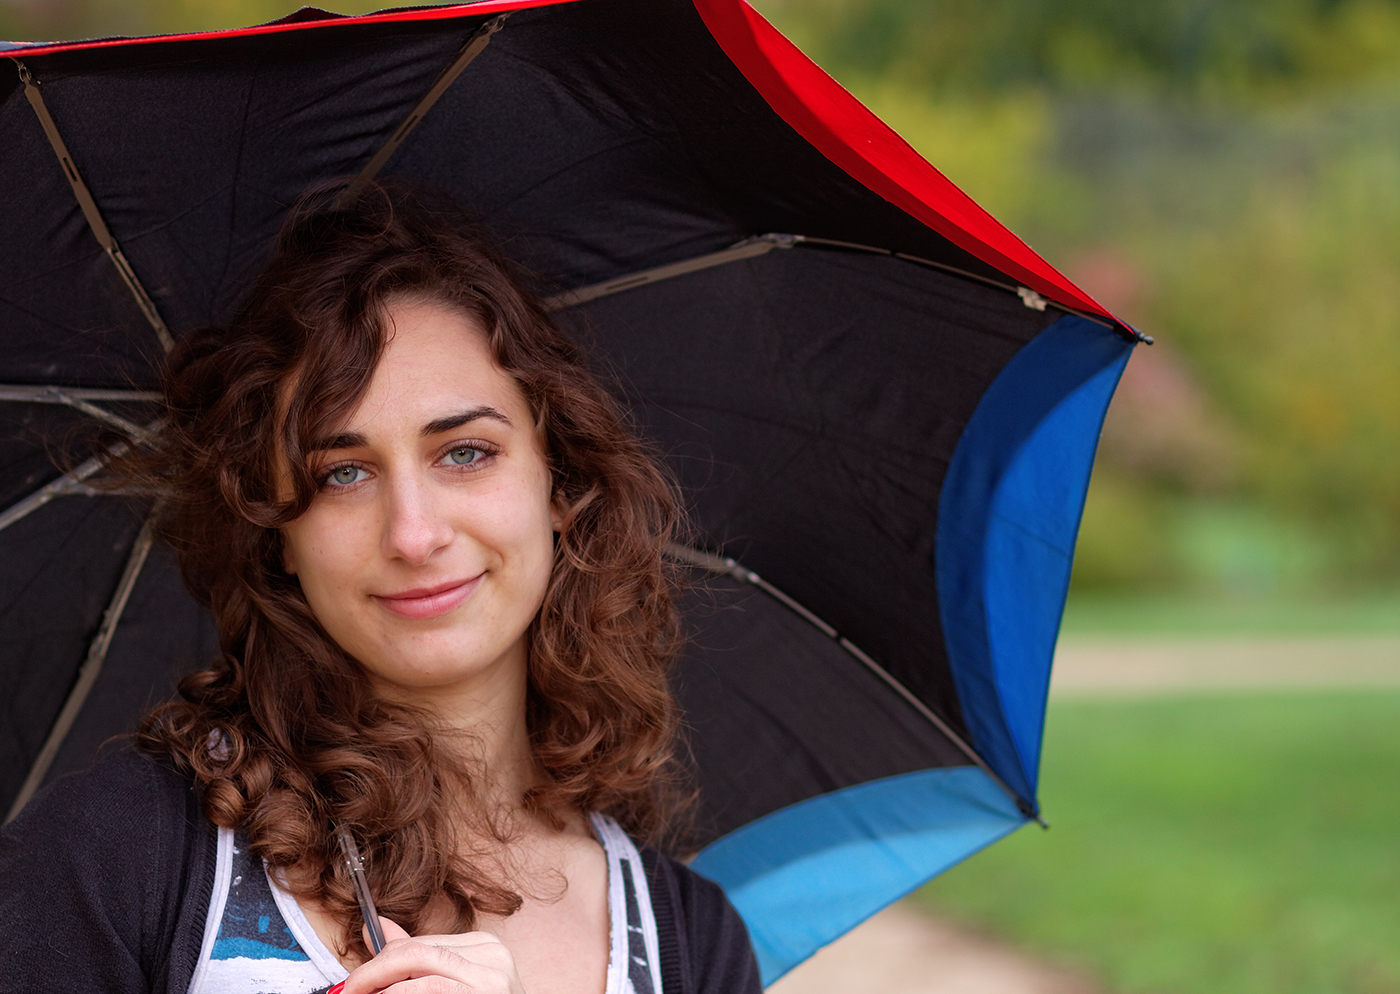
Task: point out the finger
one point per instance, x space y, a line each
440 985
390 929
486 968
480 948
461 939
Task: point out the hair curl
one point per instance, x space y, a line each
283 730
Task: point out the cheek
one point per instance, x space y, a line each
326 559
521 528
513 512
525 539
289 561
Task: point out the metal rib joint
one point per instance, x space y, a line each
104 236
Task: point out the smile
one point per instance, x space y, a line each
429 602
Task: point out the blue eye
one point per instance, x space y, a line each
464 455
343 476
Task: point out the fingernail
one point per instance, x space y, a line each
337 988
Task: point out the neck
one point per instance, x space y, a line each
481 721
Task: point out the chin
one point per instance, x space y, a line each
444 668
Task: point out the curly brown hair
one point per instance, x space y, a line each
283 731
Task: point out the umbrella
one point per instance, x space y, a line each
881 404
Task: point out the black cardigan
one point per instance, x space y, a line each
105 880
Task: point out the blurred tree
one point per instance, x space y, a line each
1212 48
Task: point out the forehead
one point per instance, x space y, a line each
436 355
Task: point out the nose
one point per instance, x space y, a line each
415 527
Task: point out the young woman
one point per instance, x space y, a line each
433 554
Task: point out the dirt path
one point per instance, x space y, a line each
902 951
1086 665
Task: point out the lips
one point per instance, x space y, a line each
429 602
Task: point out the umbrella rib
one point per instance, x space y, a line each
49 394
747 249
88 672
82 400
473 47
728 567
1029 297
70 482
104 236
762 244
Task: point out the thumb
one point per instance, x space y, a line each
392 930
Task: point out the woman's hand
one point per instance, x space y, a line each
469 963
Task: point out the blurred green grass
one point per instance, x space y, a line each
1188 614
1237 844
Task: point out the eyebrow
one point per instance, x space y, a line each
357 440
452 421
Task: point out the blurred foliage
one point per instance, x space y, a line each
1218 49
1237 844
1225 175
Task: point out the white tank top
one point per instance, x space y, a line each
257 941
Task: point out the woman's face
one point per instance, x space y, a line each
426 552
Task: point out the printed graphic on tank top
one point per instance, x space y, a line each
257 941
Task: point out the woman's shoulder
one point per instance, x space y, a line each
124 799
118 778
100 872
705 948
124 802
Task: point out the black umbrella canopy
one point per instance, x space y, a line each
811 387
